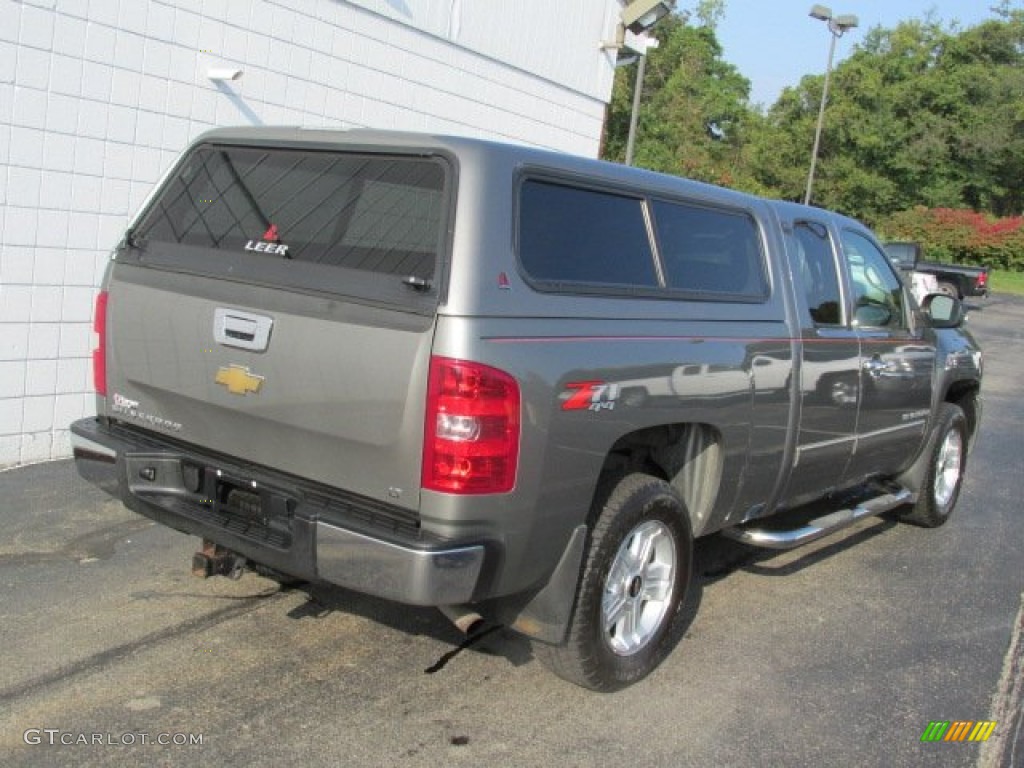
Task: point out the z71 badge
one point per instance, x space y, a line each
590 396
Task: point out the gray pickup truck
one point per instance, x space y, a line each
512 384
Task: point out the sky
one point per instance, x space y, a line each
774 43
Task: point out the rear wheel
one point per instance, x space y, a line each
947 452
949 289
635 576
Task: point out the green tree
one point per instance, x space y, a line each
986 63
918 115
693 109
924 114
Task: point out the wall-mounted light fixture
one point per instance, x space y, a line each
223 73
640 15
637 18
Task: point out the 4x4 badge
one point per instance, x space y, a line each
238 380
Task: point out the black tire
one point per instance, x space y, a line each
947 459
949 289
647 513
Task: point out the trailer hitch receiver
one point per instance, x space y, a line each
215 560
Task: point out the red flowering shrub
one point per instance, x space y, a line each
960 236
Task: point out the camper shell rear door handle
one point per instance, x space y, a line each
244 330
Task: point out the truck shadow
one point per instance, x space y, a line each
492 639
719 557
715 558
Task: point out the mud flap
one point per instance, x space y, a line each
546 617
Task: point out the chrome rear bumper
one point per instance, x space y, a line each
427 573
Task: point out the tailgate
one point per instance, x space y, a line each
277 306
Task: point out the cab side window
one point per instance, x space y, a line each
815 267
878 300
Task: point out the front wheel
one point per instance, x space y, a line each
636 574
947 459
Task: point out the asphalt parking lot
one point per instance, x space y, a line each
840 653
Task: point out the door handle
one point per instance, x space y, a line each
875 366
244 330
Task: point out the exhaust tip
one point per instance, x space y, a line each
465 619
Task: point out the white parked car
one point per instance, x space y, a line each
921 284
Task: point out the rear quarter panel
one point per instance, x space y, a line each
643 349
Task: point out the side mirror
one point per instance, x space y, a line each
943 311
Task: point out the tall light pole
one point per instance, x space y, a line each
837 26
643 43
635 20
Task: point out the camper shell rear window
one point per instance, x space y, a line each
362 223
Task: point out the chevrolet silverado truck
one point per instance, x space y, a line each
515 385
953 279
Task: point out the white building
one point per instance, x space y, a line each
97 97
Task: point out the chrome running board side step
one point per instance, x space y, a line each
822 526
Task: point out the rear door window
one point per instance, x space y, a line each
379 215
816 272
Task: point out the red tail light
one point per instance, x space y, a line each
982 280
99 355
471 436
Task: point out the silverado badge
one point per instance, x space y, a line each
238 380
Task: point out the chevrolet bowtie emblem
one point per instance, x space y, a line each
238 380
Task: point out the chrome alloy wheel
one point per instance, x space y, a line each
948 466
638 590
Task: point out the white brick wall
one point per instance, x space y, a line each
97 97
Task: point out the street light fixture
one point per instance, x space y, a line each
837 26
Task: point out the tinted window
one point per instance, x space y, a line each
706 249
573 235
367 212
815 268
877 292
